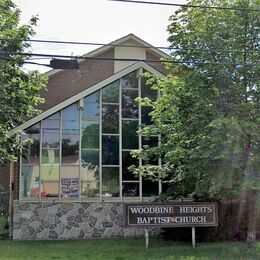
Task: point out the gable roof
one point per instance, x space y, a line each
86 92
115 43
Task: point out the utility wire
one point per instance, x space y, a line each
101 44
133 46
123 59
192 6
25 62
37 63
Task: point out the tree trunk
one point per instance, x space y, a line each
252 216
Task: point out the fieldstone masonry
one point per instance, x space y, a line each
70 220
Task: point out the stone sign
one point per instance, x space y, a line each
171 215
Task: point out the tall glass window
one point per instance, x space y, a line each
149 188
130 141
70 152
50 160
110 140
30 171
83 152
90 147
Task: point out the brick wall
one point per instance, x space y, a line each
16 176
158 66
68 83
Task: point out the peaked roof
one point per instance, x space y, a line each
115 43
86 92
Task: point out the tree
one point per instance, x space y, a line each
19 90
208 112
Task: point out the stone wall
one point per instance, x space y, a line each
65 220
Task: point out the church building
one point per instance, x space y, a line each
73 179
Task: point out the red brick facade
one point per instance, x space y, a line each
66 84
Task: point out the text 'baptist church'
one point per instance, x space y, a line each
171 215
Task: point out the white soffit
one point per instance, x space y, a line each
84 93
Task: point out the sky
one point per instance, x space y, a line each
99 21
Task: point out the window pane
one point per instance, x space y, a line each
90 173
110 93
149 141
91 110
110 119
150 188
32 132
130 80
166 186
110 181
51 131
129 134
50 173
90 134
30 181
147 91
93 98
70 149
110 150
69 182
89 189
90 159
70 120
91 106
146 118
153 160
32 150
129 105
130 189
50 181
50 156
128 160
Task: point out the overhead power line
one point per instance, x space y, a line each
24 62
37 63
103 44
192 6
121 59
132 46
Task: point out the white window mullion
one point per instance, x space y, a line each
120 143
140 72
81 102
20 173
160 164
100 145
60 154
160 159
40 162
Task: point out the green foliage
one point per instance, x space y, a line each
19 90
208 112
3 222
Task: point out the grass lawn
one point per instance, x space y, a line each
120 249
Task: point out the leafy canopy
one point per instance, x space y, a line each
19 90
208 112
